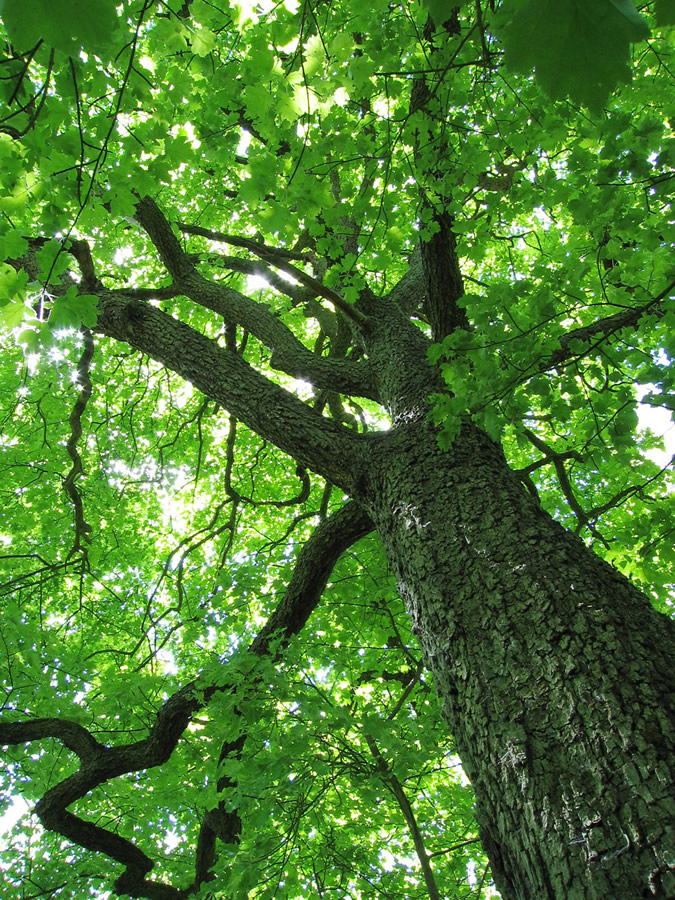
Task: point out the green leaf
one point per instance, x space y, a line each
12 314
441 10
665 12
636 28
203 42
12 245
72 310
29 339
577 49
52 261
12 284
89 24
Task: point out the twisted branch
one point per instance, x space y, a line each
279 258
100 763
82 527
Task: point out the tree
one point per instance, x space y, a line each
306 299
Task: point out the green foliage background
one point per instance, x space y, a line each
282 120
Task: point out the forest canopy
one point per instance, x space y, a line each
251 253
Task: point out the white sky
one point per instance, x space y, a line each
658 420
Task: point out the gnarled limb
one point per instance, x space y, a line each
82 527
100 763
310 575
289 355
269 410
280 260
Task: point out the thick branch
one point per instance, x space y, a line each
260 269
269 410
289 354
316 561
410 291
174 259
223 376
600 331
73 735
99 764
258 248
443 280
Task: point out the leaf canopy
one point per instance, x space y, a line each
293 125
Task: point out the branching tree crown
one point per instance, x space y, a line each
335 560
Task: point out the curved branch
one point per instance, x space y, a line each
280 260
99 763
269 410
71 734
289 354
603 329
82 527
315 562
311 572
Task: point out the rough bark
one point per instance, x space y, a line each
225 377
555 673
443 280
290 355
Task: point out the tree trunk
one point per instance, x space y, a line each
555 673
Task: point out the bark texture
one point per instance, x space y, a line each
555 673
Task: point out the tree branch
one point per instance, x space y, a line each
557 459
604 329
409 293
99 763
174 259
440 261
82 527
260 269
443 279
312 570
289 355
269 410
280 260
391 781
